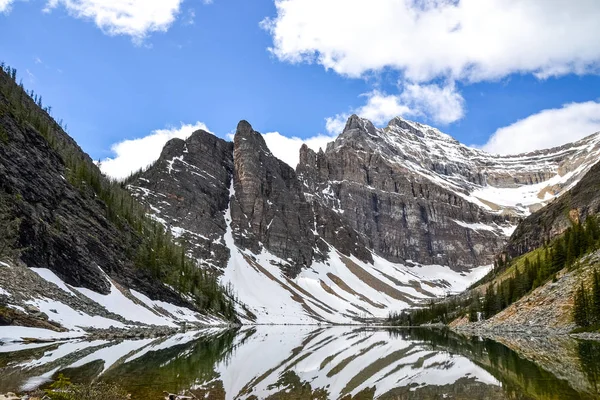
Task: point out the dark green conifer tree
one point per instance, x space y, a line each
580 308
595 299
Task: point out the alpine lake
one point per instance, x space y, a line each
312 362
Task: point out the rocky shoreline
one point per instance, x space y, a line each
521 331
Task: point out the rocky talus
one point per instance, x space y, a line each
546 310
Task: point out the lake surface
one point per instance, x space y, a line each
301 362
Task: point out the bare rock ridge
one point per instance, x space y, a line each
402 216
188 189
269 206
406 192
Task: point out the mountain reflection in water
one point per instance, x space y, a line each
302 362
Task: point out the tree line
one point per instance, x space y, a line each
434 312
586 306
151 246
543 265
530 272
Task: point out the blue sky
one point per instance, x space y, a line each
160 64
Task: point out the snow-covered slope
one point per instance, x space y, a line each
341 290
58 306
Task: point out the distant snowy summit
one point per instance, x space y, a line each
515 184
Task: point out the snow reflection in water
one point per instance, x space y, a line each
298 362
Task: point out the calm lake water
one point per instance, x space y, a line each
291 362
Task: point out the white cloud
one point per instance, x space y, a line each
190 18
440 104
4 5
135 18
470 40
335 125
132 155
288 149
379 109
428 41
548 128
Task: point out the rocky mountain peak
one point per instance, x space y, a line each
247 139
244 127
357 123
418 133
172 148
268 207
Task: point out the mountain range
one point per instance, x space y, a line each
381 220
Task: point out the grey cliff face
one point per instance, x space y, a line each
407 192
269 206
188 189
401 215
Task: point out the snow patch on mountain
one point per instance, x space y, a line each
341 290
502 182
77 316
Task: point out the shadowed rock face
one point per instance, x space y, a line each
188 189
269 206
63 228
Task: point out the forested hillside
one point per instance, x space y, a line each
58 211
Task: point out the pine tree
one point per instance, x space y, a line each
595 300
592 232
559 257
580 308
491 303
520 282
474 308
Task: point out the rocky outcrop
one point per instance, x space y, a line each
269 206
194 182
188 190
